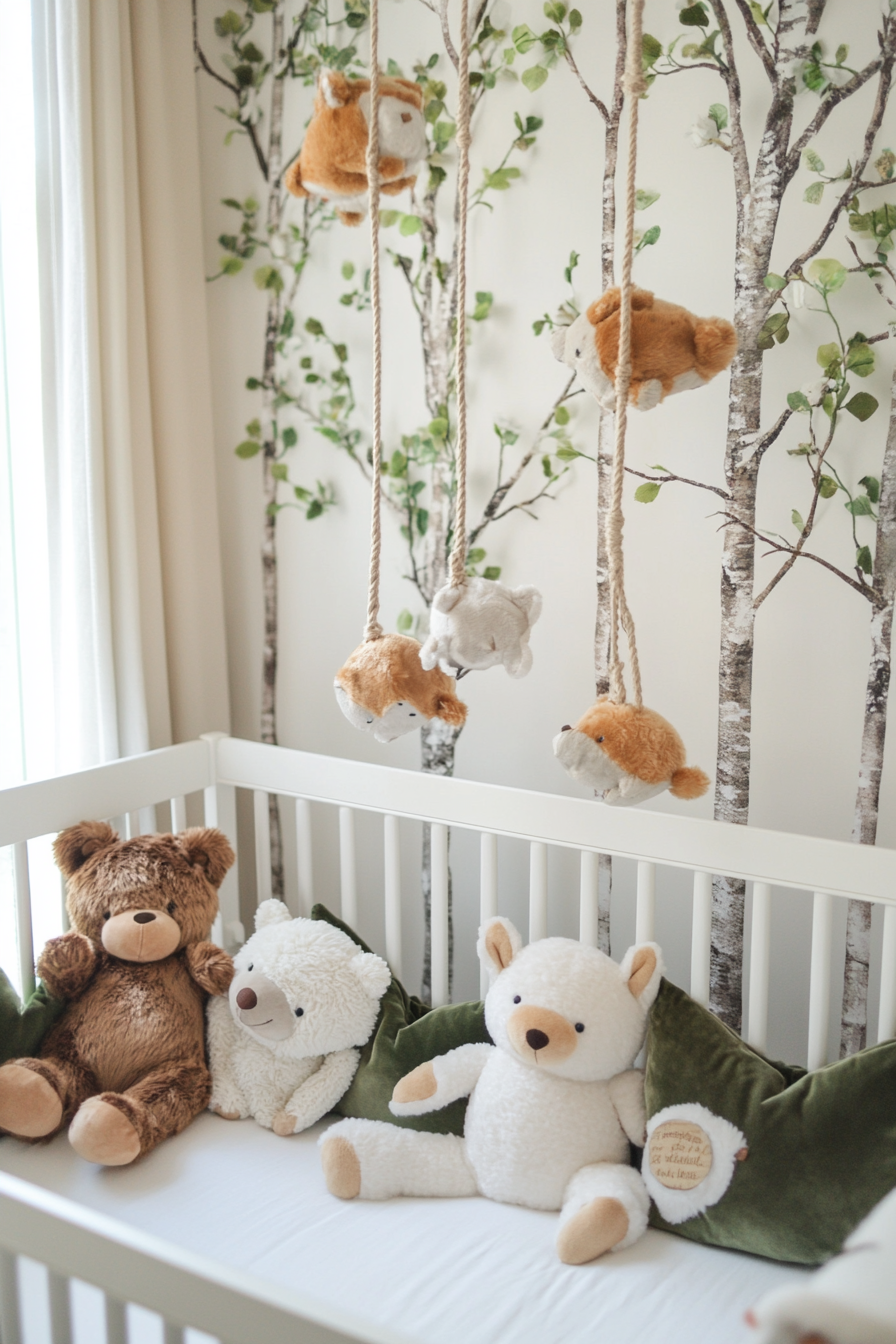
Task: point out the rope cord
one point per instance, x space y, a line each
373 628
464 108
635 86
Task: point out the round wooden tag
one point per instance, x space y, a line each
680 1154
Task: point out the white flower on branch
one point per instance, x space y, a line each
250 111
703 132
815 392
797 292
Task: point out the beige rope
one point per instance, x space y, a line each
464 109
635 86
373 629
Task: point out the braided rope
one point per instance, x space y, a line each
635 86
373 629
464 109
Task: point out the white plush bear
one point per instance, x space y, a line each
481 625
553 1103
282 1046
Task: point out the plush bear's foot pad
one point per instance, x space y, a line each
284 1124
29 1106
101 1133
225 1115
342 1170
593 1231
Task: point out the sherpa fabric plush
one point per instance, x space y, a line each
553 1104
383 689
627 754
284 1045
333 158
672 351
125 1063
23 1027
820 1147
483 624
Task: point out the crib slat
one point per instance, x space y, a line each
589 898
116 1321
219 809
60 1308
646 903
701 924
538 891
347 881
886 1016
178 808
174 1334
760 943
820 979
305 857
132 824
262 844
10 1330
439 913
488 890
23 917
392 884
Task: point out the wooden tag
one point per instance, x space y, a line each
680 1154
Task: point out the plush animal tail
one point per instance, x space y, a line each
689 782
350 217
293 179
451 710
715 342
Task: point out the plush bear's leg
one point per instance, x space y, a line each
373 1160
115 1127
39 1096
604 1209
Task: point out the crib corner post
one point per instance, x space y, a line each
220 811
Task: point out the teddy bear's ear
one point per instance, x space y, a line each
642 970
333 87
529 599
211 849
74 846
373 973
499 942
271 912
558 342
446 599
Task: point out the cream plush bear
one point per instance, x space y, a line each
483 624
283 1047
553 1103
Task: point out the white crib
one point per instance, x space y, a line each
80 1244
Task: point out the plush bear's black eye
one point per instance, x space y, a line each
107 914
578 352
601 738
252 967
516 998
580 1026
299 1012
171 907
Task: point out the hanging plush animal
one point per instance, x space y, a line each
672 350
384 690
481 625
333 159
628 754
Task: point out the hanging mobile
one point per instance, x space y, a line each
624 751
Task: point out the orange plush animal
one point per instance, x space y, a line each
333 159
628 754
672 350
384 690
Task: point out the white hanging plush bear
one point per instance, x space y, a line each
553 1103
481 625
283 1046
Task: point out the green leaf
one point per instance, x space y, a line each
492 572
651 49
797 520
829 354
533 78
555 10
475 556
340 351
649 238
694 16
827 274
841 53
279 471
348 270
253 384
253 429
644 199
647 493
798 401
523 38
860 359
501 178
567 453
388 218
885 164
860 507
313 327
248 448
811 160
409 225
862 405
483 305
575 19
290 437
547 467
315 509
561 415
438 428
773 281
813 193
405 621
863 559
231 265
719 114
229 24
398 464
422 521
269 277
827 487
872 488
814 77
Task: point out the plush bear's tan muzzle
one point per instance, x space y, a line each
141 935
540 1035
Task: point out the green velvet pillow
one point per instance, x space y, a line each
23 1029
821 1147
407 1033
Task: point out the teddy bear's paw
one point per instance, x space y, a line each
342 1168
101 1133
593 1231
211 967
30 1107
284 1124
225 1115
418 1085
66 964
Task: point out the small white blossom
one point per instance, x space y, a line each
797 292
815 392
250 111
703 132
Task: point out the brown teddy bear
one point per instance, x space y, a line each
672 350
332 162
125 1063
384 690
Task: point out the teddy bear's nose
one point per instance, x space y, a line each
566 728
536 1039
405 116
144 917
246 998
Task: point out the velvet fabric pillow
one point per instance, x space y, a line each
820 1147
407 1033
23 1028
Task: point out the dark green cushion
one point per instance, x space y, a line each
23 1029
822 1145
407 1033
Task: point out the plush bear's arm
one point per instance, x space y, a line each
627 1096
440 1081
227 1097
632 790
67 965
319 1093
210 967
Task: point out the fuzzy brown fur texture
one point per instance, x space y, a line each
132 1033
334 152
644 744
383 671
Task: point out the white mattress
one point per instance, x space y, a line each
461 1271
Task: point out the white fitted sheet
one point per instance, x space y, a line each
453 1271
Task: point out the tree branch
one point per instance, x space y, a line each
739 155
768 438
755 36
806 555
601 107
209 70
685 480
